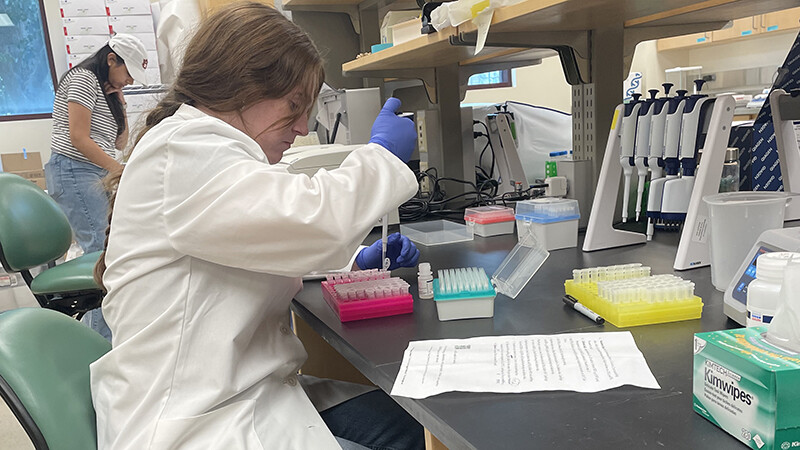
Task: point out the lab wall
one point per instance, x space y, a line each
540 85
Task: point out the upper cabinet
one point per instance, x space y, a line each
780 20
787 19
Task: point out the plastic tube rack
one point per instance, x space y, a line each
627 295
366 294
463 293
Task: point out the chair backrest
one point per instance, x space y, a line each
33 228
44 376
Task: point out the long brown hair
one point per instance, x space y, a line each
243 53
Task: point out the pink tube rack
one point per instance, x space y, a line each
366 294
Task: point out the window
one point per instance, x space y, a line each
488 80
27 74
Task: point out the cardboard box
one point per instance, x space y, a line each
75 59
127 7
148 39
85 25
18 162
132 24
141 103
27 165
85 43
82 8
748 387
406 31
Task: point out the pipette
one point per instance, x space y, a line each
384 237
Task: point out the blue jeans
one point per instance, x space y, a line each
77 188
375 421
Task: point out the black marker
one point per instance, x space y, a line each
572 301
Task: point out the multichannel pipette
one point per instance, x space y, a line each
694 127
672 139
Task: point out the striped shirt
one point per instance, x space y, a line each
82 87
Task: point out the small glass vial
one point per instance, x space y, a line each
764 291
425 281
730 171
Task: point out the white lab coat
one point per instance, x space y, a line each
207 246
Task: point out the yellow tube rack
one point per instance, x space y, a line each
634 313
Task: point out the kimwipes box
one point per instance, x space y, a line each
28 165
748 387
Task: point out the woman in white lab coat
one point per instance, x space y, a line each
208 241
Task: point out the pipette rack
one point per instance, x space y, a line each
366 294
627 295
463 293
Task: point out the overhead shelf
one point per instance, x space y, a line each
435 50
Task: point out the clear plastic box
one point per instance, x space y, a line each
519 267
490 220
553 220
436 232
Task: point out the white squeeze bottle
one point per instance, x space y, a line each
425 281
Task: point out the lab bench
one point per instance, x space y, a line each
624 417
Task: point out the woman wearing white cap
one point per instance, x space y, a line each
89 123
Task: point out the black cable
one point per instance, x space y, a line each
335 128
489 141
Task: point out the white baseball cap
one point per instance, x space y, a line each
132 51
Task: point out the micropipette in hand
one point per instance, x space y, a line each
384 240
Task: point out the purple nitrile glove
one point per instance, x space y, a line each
396 134
399 249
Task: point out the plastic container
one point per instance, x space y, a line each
425 281
436 232
764 291
553 220
463 293
366 294
730 171
737 219
490 220
392 18
406 31
378 47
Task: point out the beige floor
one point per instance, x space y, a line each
12 436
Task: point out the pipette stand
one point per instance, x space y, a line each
600 233
786 109
693 249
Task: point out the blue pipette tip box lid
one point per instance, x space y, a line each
548 210
520 266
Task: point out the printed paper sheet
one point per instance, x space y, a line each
582 362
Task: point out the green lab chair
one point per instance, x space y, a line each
44 376
33 232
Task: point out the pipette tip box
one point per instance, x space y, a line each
627 296
464 293
554 220
436 232
366 294
488 221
